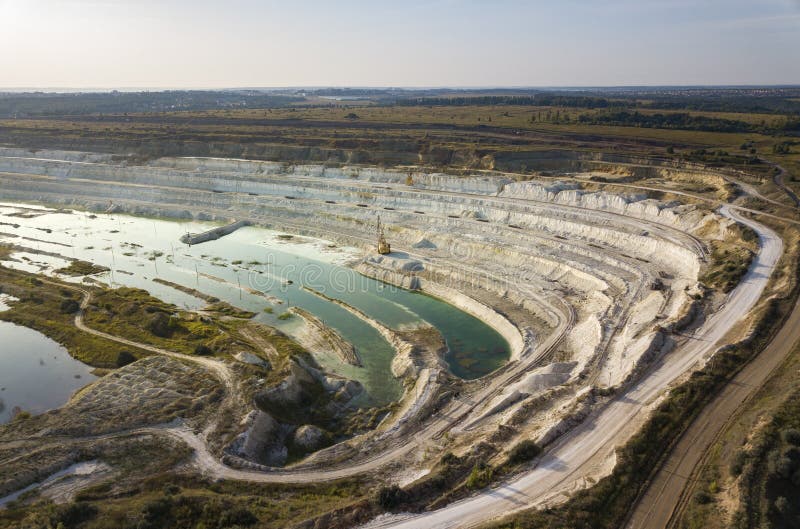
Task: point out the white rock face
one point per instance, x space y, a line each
547 252
250 358
309 437
533 384
630 204
263 441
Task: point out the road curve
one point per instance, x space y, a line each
219 368
563 468
210 464
661 505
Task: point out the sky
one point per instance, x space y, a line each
408 43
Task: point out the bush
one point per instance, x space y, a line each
18 414
155 514
160 325
480 477
390 497
791 436
203 350
124 358
524 451
782 505
237 517
737 463
69 306
779 465
449 459
170 489
74 514
703 497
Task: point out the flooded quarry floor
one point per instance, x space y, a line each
255 269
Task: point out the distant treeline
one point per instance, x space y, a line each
684 121
535 100
38 104
772 102
756 105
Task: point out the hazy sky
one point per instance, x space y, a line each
237 43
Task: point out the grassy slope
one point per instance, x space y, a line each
720 490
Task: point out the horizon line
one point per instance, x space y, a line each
74 89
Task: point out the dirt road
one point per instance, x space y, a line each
661 505
217 367
778 179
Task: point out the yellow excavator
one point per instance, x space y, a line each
383 246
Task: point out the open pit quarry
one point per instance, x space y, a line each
597 294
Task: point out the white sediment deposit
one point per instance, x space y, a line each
591 279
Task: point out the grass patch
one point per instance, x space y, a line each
40 307
730 259
82 268
136 315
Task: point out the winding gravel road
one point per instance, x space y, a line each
564 468
567 464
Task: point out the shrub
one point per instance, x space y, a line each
237 517
791 436
203 350
390 497
170 489
480 476
737 463
703 497
779 466
18 414
155 514
449 459
160 325
782 505
524 451
74 514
